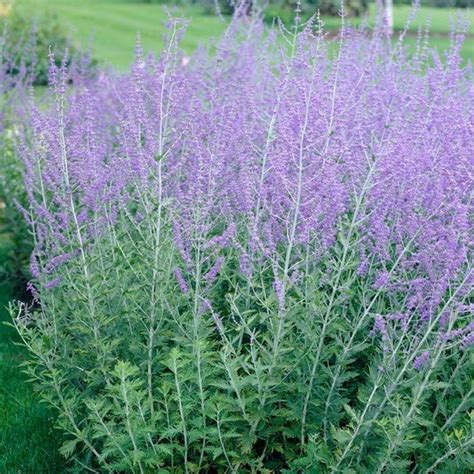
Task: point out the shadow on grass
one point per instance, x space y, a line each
28 441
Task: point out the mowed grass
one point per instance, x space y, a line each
28 441
113 25
439 21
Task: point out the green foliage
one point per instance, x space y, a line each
325 7
282 8
148 378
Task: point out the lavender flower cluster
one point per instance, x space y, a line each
16 72
282 147
270 162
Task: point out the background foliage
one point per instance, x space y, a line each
44 34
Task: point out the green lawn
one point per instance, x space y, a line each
439 18
113 25
28 442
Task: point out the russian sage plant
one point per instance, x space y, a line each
259 260
16 76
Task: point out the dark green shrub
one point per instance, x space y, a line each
283 9
13 194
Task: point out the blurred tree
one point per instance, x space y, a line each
388 13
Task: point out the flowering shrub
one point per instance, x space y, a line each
260 260
13 91
19 71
